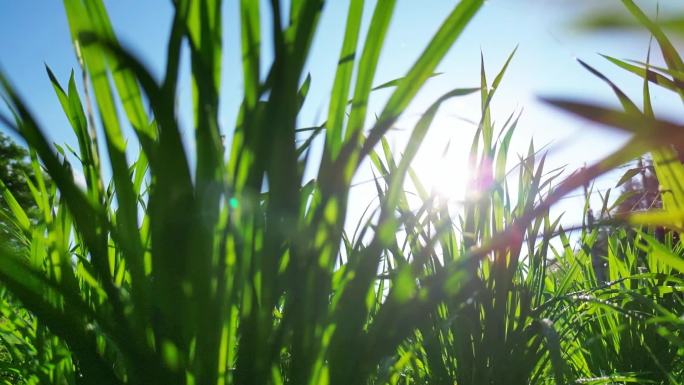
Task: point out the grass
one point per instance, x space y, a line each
234 269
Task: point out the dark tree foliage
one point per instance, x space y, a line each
15 167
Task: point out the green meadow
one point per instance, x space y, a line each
135 258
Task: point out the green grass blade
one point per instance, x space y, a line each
450 29
342 82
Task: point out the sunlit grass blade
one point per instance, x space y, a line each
626 102
450 29
652 76
342 83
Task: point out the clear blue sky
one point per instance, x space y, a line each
35 32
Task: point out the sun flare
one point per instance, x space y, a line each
442 163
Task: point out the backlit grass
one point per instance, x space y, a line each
235 269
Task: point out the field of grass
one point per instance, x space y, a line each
227 266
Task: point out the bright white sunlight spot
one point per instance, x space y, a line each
442 164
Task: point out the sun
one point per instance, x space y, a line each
442 164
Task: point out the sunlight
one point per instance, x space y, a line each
443 174
442 163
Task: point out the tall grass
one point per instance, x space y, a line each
234 269
170 275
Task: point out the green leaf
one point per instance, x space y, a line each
627 103
664 254
628 175
342 82
20 216
645 73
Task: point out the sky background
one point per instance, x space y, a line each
34 33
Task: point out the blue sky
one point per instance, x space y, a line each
33 33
